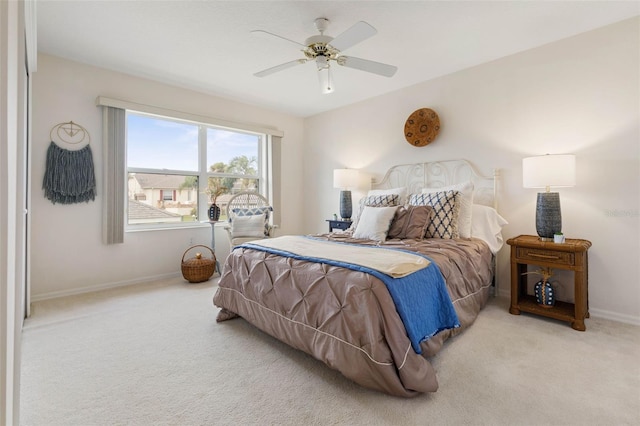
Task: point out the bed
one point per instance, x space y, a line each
379 314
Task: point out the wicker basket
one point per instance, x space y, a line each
198 269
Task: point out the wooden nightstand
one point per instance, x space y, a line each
570 255
339 224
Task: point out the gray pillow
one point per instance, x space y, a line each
410 222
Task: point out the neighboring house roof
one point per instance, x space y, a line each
138 210
223 199
148 181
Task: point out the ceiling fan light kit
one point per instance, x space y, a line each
323 49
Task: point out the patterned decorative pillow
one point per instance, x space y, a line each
466 201
253 211
410 222
400 191
444 219
383 200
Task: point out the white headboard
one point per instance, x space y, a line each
441 173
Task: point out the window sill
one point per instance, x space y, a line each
168 228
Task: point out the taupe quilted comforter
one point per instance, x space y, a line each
347 318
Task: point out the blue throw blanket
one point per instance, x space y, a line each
421 298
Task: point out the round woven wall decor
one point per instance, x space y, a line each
422 127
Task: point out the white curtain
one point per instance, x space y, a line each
113 136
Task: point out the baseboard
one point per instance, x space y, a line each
598 313
98 287
614 316
506 293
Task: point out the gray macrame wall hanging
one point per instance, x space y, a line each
69 176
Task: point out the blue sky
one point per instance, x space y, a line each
157 143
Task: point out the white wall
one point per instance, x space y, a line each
580 95
67 251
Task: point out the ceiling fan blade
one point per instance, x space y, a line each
358 32
367 65
326 80
263 33
280 67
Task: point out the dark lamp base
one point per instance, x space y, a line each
548 215
346 208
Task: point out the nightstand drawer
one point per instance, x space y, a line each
343 225
557 257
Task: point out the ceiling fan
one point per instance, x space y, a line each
324 50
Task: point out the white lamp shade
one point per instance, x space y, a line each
549 170
345 178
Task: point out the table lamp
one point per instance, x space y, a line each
345 179
546 171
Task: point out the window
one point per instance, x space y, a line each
168 194
118 174
176 168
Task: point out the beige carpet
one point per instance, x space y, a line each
153 354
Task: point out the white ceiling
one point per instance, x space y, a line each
207 45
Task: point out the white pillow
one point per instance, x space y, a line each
400 191
248 226
374 223
487 224
466 201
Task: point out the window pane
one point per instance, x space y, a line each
155 143
232 152
229 185
157 198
